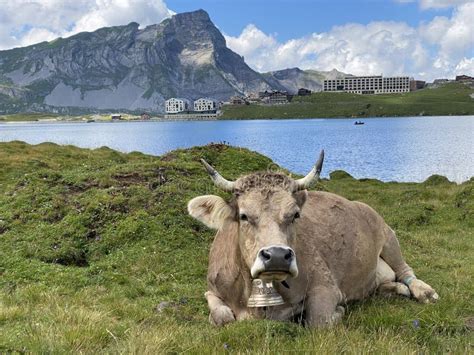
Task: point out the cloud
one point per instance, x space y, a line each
24 22
465 66
440 47
436 4
439 4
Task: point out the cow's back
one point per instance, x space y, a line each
348 235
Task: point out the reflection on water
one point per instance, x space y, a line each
401 149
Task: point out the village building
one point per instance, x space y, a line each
253 98
417 85
237 100
176 105
145 116
205 105
264 94
464 78
369 84
116 117
276 98
304 92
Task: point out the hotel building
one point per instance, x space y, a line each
205 105
369 84
175 105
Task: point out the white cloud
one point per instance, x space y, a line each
466 65
36 35
431 50
48 19
436 4
439 4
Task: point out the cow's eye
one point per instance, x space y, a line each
243 217
296 215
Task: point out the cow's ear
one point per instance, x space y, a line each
210 210
300 197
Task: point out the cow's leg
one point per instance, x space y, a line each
392 255
221 313
284 313
385 280
322 308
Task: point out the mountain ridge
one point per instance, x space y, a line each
133 69
295 78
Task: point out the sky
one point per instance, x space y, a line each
425 39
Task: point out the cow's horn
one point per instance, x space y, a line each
217 178
313 175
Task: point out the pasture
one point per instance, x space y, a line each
447 100
98 255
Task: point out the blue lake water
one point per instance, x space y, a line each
400 149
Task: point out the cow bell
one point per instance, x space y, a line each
264 295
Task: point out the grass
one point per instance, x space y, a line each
93 241
33 117
449 99
27 117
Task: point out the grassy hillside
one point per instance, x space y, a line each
93 242
450 99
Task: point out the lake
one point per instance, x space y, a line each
399 149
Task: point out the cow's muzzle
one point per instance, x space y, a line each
275 262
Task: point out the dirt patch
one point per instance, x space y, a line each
77 189
157 178
130 178
169 157
218 146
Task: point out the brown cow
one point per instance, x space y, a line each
319 249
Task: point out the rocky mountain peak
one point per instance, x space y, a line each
127 68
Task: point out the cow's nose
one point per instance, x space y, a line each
276 258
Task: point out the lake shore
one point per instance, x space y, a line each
54 121
452 99
389 149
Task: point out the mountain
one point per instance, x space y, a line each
125 67
133 69
293 79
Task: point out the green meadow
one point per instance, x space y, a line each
448 100
98 255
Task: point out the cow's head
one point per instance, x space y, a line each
266 206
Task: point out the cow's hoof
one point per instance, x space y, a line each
423 292
221 316
337 315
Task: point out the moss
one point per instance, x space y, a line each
437 180
340 174
464 201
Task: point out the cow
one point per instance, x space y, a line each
318 249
